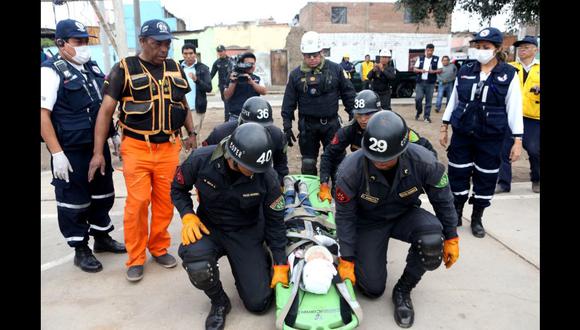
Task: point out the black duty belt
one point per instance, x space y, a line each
322 120
157 138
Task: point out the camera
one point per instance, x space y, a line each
241 68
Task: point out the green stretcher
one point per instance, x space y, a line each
299 309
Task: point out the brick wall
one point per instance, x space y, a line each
363 17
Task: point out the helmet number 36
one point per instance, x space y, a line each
262 113
359 103
378 145
265 157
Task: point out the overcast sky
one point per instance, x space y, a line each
197 15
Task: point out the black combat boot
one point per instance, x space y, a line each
476 226
216 320
85 259
459 211
105 243
404 313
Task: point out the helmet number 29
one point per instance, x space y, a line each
265 157
262 113
378 145
359 103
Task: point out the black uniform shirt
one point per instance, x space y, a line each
418 171
350 134
228 202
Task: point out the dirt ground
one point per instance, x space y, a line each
520 170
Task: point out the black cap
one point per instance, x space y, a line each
69 28
156 29
220 48
527 40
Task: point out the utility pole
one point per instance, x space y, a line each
122 49
104 25
137 20
104 39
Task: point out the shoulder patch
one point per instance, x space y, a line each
278 204
179 176
341 196
443 182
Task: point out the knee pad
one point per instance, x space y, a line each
309 166
429 247
202 274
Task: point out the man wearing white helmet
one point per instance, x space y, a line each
315 87
381 77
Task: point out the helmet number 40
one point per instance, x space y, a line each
265 157
359 103
378 145
262 113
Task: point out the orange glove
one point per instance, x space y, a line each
324 193
450 251
346 270
191 233
280 275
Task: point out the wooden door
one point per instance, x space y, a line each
279 66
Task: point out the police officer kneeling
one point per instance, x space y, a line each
382 201
235 181
257 110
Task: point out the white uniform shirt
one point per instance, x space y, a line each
427 66
513 102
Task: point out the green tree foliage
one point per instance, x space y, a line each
46 42
521 11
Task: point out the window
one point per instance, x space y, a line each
338 15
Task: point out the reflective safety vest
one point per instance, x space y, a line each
152 110
531 106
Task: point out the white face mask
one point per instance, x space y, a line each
483 56
83 54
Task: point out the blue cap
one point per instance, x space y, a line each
156 29
527 40
69 28
490 34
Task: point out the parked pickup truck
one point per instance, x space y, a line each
402 86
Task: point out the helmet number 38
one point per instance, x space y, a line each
265 157
378 145
359 103
262 113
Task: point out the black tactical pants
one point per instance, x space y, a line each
313 131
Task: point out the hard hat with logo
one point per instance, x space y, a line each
310 43
251 145
256 110
386 136
366 101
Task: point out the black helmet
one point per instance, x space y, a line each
385 137
366 101
251 145
256 110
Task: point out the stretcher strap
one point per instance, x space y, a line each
351 301
295 280
303 214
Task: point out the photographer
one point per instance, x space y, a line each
243 85
381 77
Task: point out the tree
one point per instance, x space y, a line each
522 11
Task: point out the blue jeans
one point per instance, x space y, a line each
424 89
443 88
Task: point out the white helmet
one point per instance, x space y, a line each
385 52
310 42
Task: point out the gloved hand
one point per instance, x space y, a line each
324 193
61 166
190 233
346 270
450 251
280 275
290 136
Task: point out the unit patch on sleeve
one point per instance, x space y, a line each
179 176
443 182
341 196
278 204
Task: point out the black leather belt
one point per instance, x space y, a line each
157 138
322 120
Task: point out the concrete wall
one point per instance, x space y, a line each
362 17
